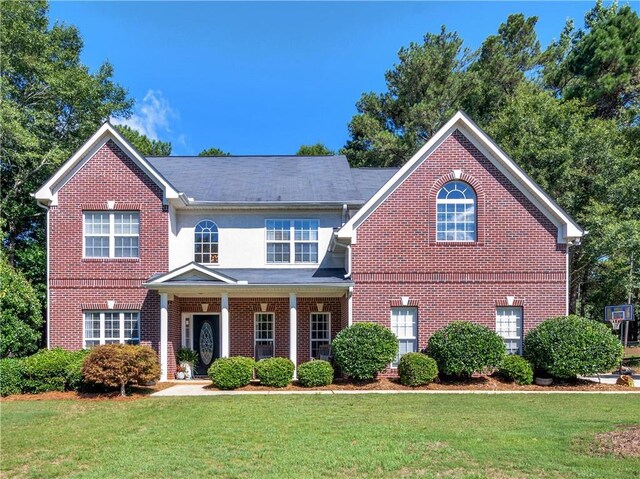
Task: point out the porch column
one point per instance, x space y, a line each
293 332
164 335
224 327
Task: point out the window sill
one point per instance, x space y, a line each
110 260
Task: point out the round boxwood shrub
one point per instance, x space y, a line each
570 346
315 373
417 369
231 373
516 368
11 376
275 372
363 350
462 348
118 365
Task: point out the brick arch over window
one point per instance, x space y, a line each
480 209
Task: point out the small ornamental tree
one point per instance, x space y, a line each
363 350
462 348
570 346
117 365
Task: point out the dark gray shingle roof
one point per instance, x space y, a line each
271 179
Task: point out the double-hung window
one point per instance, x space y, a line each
263 335
111 327
509 326
404 324
111 234
320 332
292 241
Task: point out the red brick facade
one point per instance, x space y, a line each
516 252
77 284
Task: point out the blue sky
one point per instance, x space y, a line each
264 78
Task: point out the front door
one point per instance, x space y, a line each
206 340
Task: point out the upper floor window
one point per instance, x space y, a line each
456 212
292 241
206 242
111 234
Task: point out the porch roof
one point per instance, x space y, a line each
197 275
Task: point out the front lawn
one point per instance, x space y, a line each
460 436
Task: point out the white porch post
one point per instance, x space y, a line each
293 332
164 335
224 327
350 306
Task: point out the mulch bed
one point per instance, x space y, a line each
623 442
477 383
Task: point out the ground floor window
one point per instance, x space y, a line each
263 335
320 335
404 324
111 327
509 326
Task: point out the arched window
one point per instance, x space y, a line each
456 212
206 242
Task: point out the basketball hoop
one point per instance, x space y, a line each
615 323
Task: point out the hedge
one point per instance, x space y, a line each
275 372
11 376
315 373
462 348
417 369
363 350
231 373
52 370
570 346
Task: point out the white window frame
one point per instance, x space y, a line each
394 330
311 340
210 243
187 330
111 235
291 242
273 332
467 201
507 337
102 339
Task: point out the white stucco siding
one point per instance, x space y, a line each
242 237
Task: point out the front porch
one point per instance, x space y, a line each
285 313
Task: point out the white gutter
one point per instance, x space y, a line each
46 208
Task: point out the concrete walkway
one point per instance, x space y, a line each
198 388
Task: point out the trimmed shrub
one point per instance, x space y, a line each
11 376
315 373
363 350
231 373
275 372
52 370
516 368
462 348
570 346
118 365
417 369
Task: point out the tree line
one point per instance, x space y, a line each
568 114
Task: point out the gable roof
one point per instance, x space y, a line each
369 180
242 180
568 229
47 193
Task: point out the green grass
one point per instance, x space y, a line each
461 436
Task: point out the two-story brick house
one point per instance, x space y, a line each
263 256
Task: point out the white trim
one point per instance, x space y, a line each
567 227
164 336
121 339
184 327
48 192
111 235
225 340
217 243
293 332
568 281
311 340
192 267
291 242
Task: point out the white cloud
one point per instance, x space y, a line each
152 115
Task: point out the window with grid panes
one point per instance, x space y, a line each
205 244
509 326
111 234
111 327
456 212
404 324
320 332
264 330
292 241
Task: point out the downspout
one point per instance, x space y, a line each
46 208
